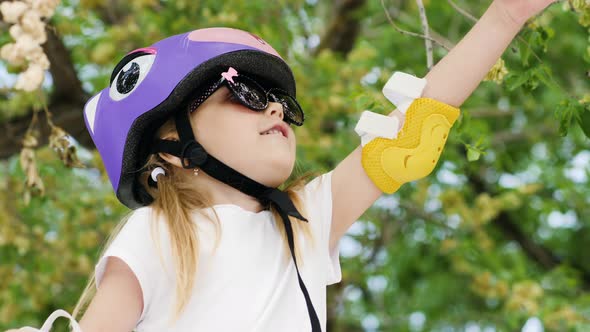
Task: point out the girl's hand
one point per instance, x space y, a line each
519 11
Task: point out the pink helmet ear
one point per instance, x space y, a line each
232 36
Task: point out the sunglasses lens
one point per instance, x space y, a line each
249 93
292 110
253 96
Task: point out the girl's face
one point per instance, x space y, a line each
258 144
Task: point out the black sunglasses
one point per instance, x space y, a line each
254 96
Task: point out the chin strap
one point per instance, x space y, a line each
192 154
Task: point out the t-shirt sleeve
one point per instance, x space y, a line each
135 246
317 197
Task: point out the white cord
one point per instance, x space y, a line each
51 319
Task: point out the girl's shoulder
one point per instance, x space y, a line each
138 222
145 217
318 190
142 213
143 227
316 198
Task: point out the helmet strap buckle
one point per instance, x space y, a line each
192 154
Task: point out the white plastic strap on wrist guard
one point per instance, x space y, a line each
401 89
373 125
51 319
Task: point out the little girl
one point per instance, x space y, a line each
196 134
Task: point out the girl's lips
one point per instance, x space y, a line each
282 127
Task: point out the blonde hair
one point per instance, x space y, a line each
174 202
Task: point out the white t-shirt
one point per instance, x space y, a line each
247 283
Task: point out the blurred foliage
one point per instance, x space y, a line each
442 254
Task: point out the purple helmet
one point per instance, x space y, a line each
150 84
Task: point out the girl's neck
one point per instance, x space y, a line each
222 193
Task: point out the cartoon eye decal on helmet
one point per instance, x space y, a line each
130 72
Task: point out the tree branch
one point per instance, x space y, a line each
410 33
537 252
489 112
66 103
510 136
67 115
427 217
462 11
426 31
68 87
344 28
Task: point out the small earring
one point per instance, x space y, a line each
196 171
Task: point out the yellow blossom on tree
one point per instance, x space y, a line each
497 73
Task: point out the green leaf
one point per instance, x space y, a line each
525 54
543 74
516 80
568 110
584 121
473 155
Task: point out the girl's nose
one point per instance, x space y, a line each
275 109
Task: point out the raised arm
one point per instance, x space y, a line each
454 78
451 81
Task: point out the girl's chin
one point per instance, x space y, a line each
274 176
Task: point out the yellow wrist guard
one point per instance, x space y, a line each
416 150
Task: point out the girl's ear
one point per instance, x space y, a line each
173 160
